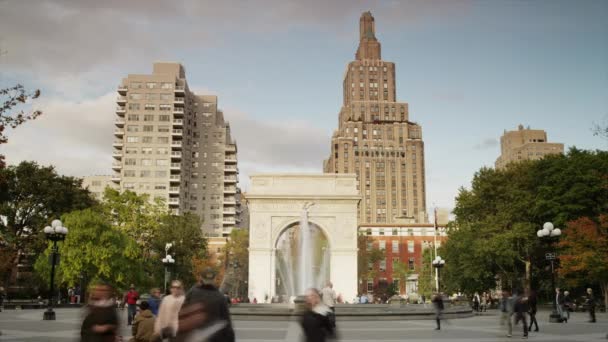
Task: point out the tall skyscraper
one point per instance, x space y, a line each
525 144
376 140
175 145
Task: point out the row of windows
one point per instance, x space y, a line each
151 96
382 264
147 150
151 85
149 117
146 173
148 140
148 128
150 106
146 162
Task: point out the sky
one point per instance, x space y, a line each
468 69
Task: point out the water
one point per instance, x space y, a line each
302 258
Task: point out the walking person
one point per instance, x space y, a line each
438 305
143 324
130 301
476 302
590 303
166 324
154 301
329 299
204 315
521 307
2 295
506 306
101 321
484 302
532 305
559 304
567 305
315 321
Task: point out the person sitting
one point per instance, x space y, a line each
143 324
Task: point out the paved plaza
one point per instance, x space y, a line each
27 325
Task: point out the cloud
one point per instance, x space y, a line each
487 143
76 137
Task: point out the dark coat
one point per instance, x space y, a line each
215 308
99 315
532 303
316 327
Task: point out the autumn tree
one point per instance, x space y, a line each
11 98
237 253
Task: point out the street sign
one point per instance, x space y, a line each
550 256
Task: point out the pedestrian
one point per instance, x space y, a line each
204 314
329 299
520 309
423 299
166 323
506 311
590 303
100 323
154 301
532 305
143 324
476 302
559 304
484 302
567 305
2 296
438 305
130 300
315 321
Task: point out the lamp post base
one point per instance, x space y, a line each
555 317
49 315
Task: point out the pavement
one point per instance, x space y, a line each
27 325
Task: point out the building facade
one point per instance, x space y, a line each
376 140
525 144
175 145
97 185
404 243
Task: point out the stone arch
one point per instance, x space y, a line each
290 223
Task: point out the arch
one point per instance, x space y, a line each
291 223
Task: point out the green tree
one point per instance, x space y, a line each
95 248
367 255
30 197
237 251
401 271
426 284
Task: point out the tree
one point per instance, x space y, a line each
95 248
426 285
30 197
237 251
367 255
401 271
11 98
584 253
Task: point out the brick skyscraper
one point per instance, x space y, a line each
375 139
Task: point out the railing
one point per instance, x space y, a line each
178 110
121 98
174 177
179 99
176 154
178 122
176 143
120 108
118 142
175 165
119 131
180 87
178 131
174 189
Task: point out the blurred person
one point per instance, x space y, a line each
559 303
154 301
438 305
532 305
315 321
130 300
590 303
484 302
567 305
506 306
100 323
143 324
520 309
204 314
328 296
476 302
2 296
166 323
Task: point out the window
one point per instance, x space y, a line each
145 173
370 285
136 85
148 117
163 129
161 174
129 173
130 161
383 265
396 284
131 128
128 185
133 106
162 150
147 140
151 96
162 140
369 246
395 246
151 85
164 107
133 117
166 96
131 150
148 128
410 246
149 106
166 118
132 139
382 245
166 85
395 230
162 162
410 264
160 186
146 162
135 96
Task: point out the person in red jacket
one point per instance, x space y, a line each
130 301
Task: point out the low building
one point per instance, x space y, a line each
525 144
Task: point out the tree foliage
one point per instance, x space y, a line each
30 197
13 97
426 284
498 217
237 251
367 256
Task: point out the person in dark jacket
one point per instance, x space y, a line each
590 303
204 314
438 304
143 324
101 321
532 304
154 301
521 307
316 322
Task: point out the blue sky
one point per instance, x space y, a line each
468 69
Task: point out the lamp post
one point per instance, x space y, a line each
438 263
55 232
167 261
550 234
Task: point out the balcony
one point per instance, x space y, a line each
121 100
229 200
178 132
230 190
230 179
180 89
230 160
179 101
229 212
178 122
231 148
228 222
175 166
176 154
119 122
173 201
174 190
230 169
119 132
115 178
116 166
120 110
117 144
117 154
122 89
174 178
176 144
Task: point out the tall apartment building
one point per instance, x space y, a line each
97 185
175 145
376 140
525 144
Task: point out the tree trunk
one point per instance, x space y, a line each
604 288
527 278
